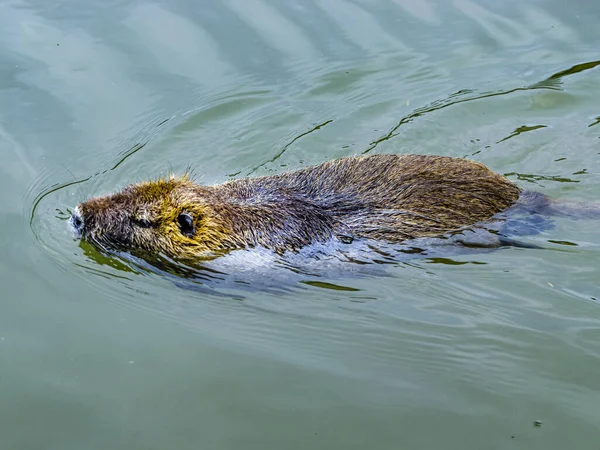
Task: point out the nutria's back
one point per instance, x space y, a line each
387 197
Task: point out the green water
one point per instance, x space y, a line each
466 352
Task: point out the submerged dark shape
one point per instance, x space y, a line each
381 197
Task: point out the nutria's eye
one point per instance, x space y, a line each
186 224
144 223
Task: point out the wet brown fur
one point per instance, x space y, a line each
385 197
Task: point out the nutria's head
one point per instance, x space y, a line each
170 216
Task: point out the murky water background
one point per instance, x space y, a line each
464 352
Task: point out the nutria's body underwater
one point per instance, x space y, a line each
379 197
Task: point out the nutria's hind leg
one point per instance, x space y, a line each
488 238
508 242
537 202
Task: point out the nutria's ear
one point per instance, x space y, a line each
186 224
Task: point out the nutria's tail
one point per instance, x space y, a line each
542 204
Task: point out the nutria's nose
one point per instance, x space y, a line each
77 221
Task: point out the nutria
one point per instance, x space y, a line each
381 197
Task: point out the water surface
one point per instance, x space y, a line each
464 351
